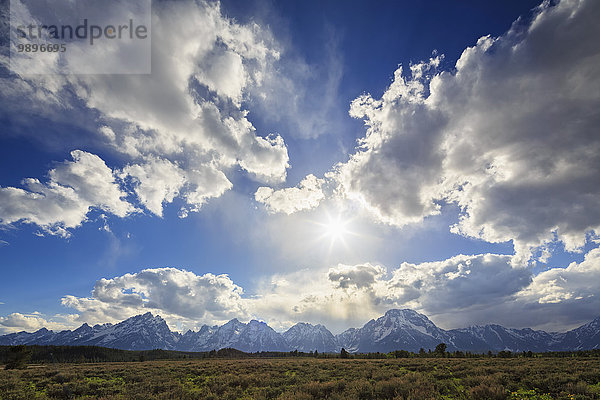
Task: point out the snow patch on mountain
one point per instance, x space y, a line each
395 330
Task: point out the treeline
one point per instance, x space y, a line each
489 354
20 356
440 352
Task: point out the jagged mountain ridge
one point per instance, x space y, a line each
307 337
395 330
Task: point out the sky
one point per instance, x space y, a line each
308 161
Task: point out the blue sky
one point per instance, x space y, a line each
311 161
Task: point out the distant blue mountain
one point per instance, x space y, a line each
306 337
395 330
409 330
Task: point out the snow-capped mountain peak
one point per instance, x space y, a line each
395 330
307 337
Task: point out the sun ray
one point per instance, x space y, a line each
336 229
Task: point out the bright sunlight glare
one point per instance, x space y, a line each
335 228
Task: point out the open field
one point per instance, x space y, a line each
309 378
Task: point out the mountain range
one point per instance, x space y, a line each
395 330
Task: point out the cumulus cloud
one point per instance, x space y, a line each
341 296
456 292
203 183
350 295
458 283
217 75
359 276
159 181
73 189
509 135
576 283
155 182
395 172
310 296
556 300
197 54
17 322
180 129
524 147
176 294
307 195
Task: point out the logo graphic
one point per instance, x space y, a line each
80 36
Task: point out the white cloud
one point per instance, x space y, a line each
456 284
155 182
350 295
310 296
177 295
108 132
523 145
577 282
204 182
159 181
456 292
17 322
195 51
188 300
307 195
359 276
557 299
180 129
396 169
217 75
73 189
510 136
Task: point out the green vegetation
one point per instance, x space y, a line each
18 356
298 377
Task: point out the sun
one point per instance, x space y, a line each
335 228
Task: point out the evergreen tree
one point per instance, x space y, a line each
18 357
344 353
440 349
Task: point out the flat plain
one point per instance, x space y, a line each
310 378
